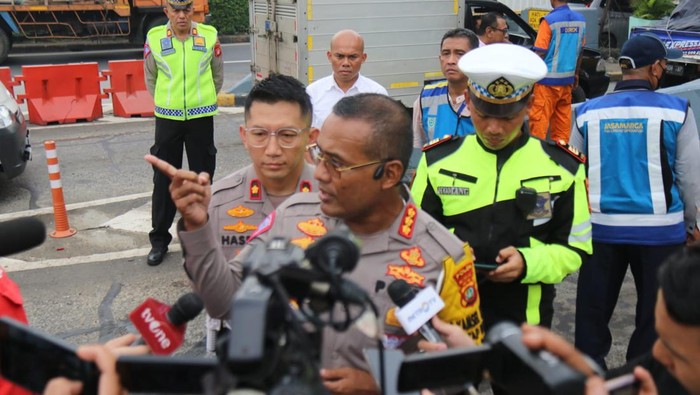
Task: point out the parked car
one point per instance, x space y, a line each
15 149
593 80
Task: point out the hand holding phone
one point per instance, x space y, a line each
485 266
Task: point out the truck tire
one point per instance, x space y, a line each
153 22
5 45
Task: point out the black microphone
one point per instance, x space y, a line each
335 253
21 234
162 327
401 294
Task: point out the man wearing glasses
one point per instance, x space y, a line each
277 129
360 158
493 28
644 182
559 42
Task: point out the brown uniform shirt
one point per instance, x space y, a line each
415 248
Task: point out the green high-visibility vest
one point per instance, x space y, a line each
185 85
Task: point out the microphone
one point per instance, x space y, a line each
335 253
162 327
416 308
21 234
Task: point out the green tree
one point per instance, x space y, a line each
229 16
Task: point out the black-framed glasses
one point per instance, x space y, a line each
287 137
333 166
504 30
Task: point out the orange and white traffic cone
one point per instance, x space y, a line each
60 214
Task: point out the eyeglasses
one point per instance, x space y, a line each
286 137
504 31
333 167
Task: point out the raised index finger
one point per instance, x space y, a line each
164 167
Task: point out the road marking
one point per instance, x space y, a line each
16 265
74 206
236 61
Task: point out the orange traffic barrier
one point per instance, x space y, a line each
62 93
130 97
60 214
6 79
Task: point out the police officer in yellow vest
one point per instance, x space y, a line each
183 68
519 201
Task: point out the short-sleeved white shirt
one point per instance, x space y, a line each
325 93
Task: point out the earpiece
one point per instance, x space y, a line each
379 172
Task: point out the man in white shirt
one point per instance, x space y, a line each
346 56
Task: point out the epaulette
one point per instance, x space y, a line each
435 142
576 154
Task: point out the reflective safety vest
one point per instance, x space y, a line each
439 118
568 31
185 85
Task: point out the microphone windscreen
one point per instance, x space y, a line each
21 234
401 292
185 309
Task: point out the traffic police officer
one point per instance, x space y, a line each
361 156
520 202
183 68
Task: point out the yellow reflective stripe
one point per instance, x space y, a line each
534 297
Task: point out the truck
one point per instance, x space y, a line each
681 31
56 22
402 39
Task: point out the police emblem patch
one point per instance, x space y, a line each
313 227
240 212
199 44
166 46
500 88
240 227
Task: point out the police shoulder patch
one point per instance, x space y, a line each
435 142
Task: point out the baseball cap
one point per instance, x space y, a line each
643 50
501 76
180 4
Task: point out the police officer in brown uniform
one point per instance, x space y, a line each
277 128
361 157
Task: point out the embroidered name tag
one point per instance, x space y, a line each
454 191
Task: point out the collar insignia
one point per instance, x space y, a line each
240 212
240 227
305 186
408 222
255 189
313 227
413 257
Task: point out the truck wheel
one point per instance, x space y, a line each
157 21
5 45
578 95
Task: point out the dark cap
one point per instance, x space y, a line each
180 4
643 50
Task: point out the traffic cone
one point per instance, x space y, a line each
60 214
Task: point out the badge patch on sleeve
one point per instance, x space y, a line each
217 49
264 226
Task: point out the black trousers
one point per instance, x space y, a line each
197 137
599 283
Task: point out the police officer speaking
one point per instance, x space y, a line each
183 68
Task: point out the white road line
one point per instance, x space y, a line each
15 265
236 61
74 206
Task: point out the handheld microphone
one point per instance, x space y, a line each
335 253
163 327
21 234
416 308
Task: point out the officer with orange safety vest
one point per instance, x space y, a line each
183 68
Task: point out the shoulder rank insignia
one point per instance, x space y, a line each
305 186
435 142
240 227
408 221
240 212
255 190
579 156
313 227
